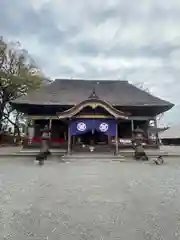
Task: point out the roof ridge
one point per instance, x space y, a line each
90 80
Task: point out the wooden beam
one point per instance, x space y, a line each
94 116
40 117
36 117
139 118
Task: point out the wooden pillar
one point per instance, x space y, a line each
50 133
74 140
26 128
50 126
65 136
132 127
157 135
117 139
69 139
148 132
31 131
50 123
109 140
26 132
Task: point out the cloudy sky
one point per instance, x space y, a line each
134 40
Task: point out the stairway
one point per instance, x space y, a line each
84 157
106 149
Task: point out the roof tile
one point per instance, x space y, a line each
70 92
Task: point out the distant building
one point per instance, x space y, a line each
85 111
171 136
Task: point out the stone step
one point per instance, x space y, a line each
92 157
150 153
29 153
78 155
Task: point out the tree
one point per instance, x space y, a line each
18 75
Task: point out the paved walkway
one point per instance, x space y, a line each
89 201
9 149
171 149
16 151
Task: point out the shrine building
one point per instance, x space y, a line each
80 113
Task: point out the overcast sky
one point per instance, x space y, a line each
134 40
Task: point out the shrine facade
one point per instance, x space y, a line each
81 114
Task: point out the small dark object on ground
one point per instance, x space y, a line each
159 160
48 153
42 156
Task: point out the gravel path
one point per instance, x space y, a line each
89 200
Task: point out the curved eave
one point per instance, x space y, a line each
159 109
94 103
169 106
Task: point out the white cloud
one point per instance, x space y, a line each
102 39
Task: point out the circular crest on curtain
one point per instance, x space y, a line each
103 127
81 126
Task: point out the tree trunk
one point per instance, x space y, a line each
1 119
1 125
1 122
16 127
2 107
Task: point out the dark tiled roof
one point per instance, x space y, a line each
70 92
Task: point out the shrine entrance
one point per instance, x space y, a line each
94 138
92 134
92 123
92 142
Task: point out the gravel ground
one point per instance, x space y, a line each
89 200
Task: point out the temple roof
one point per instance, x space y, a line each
72 92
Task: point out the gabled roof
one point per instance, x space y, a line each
71 92
93 101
